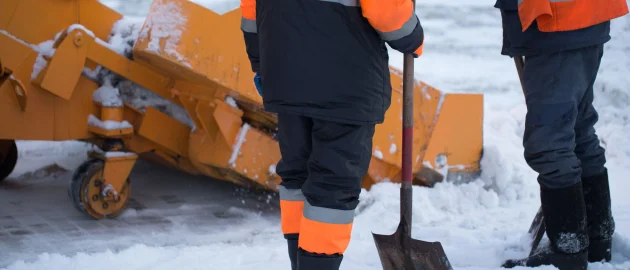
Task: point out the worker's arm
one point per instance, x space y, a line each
248 26
397 24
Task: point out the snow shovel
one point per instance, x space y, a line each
537 228
399 251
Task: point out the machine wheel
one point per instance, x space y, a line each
8 158
85 191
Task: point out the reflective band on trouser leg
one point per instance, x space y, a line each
291 206
324 230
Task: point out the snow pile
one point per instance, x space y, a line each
107 95
45 49
165 24
36 155
141 98
107 124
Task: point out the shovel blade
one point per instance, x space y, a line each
537 230
397 253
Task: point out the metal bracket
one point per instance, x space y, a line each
18 88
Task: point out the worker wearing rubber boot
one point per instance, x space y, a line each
322 66
563 43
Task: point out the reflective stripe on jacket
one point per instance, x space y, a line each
567 15
327 59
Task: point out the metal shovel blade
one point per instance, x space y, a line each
419 255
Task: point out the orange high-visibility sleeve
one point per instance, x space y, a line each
250 33
387 15
567 15
248 8
396 22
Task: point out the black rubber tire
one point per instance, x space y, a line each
8 163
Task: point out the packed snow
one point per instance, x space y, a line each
480 223
107 95
107 124
165 23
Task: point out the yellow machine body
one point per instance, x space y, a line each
195 59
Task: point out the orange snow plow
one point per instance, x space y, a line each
177 89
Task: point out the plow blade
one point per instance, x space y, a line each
183 96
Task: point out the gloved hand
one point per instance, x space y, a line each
258 83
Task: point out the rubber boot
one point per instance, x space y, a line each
565 219
601 224
311 261
292 244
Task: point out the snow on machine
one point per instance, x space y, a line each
177 89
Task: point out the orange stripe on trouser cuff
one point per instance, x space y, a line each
290 215
325 231
291 207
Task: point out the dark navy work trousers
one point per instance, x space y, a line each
560 141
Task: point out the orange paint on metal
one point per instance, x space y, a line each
198 73
112 114
54 16
164 131
117 169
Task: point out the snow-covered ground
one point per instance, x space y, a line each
480 224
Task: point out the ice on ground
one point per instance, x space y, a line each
480 223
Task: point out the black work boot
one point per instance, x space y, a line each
601 224
565 221
292 243
311 261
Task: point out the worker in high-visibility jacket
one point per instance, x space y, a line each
563 43
322 66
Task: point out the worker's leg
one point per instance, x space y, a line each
294 137
339 160
601 224
555 85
